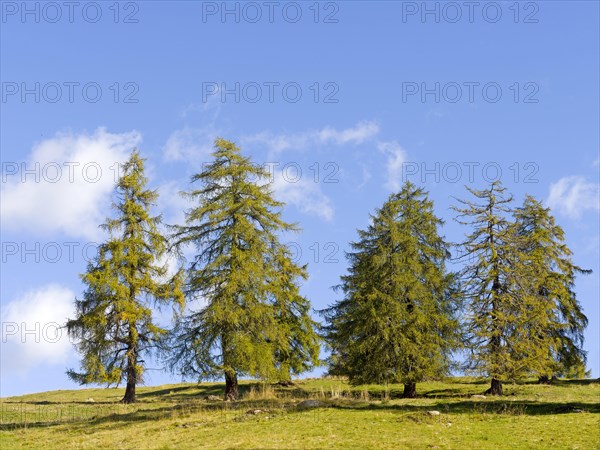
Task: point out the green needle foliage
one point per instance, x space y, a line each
296 343
548 277
113 326
489 278
253 320
396 321
523 317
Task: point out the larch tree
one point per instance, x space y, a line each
251 320
114 327
488 276
548 280
396 321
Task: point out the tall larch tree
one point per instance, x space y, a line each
548 280
489 271
114 329
250 319
492 289
396 321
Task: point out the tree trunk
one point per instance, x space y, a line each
231 385
410 390
131 381
129 393
496 388
129 396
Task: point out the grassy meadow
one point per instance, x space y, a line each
449 414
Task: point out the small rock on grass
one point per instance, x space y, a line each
213 398
478 396
433 413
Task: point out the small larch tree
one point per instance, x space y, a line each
113 328
548 280
249 317
396 321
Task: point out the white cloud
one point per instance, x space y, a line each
571 196
396 156
195 144
277 143
211 107
30 328
71 187
173 207
190 144
357 135
366 176
172 204
305 195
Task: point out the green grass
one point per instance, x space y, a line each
565 415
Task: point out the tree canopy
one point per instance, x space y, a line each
114 327
396 321
251 319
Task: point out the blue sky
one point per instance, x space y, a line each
343 102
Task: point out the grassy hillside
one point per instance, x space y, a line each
565 415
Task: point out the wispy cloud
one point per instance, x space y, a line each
366 176
190 144
171 203
276 143
396 156
306 195
572 196
195 144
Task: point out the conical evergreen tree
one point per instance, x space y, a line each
488 276
113 327
523 317
253 322
396 320
548 277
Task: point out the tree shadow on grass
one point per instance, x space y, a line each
208 413
164 392
117 415
184 392
60 402
200 391
584 382
185 401
445 393
492 406
114 416
470 381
